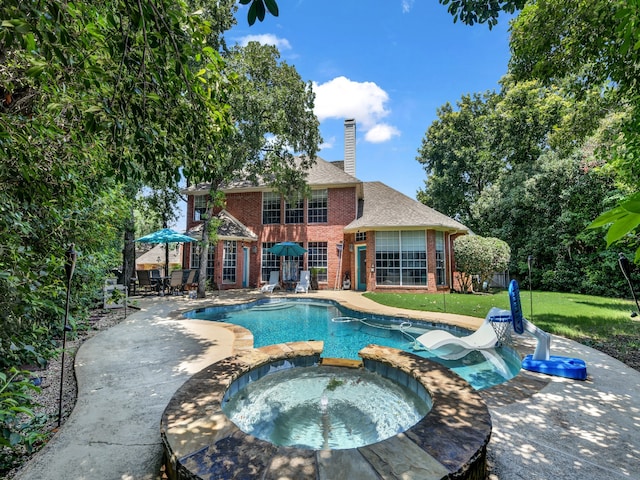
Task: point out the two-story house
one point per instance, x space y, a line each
366 232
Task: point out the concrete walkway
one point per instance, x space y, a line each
127 375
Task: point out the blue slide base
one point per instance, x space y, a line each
559 366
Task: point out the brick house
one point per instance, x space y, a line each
366 232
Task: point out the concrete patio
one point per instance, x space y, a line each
543 427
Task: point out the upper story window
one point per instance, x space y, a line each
317 207
270 208
199 207
294 212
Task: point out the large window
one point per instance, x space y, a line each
195 260
270 208
317 207
199 207
317 259
294 212
401 258
441 271
269 262
229 262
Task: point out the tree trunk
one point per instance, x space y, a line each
128 252
204 257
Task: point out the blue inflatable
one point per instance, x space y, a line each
567 367
516 308
541 361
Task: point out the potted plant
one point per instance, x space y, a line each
314 278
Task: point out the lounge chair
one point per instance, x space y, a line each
483 338
274 282
303 285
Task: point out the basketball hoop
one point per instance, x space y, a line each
502 326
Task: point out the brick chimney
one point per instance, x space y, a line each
350 146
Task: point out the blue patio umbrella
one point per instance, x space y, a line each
287 249
166 236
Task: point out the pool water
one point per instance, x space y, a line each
345 332
324 408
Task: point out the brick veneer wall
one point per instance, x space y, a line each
247 208
342 205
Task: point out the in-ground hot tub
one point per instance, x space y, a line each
323 407
448 441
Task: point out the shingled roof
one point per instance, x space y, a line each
321 174
384 207
230 229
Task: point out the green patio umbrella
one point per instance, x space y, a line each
288 249
166 236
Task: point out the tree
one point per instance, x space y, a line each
481 256
97 100
273 113
597 41
460 157
467 11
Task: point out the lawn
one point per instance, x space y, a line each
603 323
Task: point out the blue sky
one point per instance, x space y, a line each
388 64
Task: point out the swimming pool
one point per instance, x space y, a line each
345 331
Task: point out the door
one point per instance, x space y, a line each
361 260
245 267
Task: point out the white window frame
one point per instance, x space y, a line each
318 206
229 262
199 207
269 201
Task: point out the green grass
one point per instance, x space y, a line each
581 317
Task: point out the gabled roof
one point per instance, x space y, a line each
325 173
321 174
385 208
230 229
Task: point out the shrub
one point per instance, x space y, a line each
481 256
19 426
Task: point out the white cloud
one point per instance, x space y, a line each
407 5
328 143
381 133
266 39
342 98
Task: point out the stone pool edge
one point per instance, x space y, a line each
449 442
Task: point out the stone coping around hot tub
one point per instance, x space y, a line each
200 441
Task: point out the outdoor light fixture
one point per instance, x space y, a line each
254 249
69 267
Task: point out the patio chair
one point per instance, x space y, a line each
176 284
303 285
274 282
190 278
144 280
